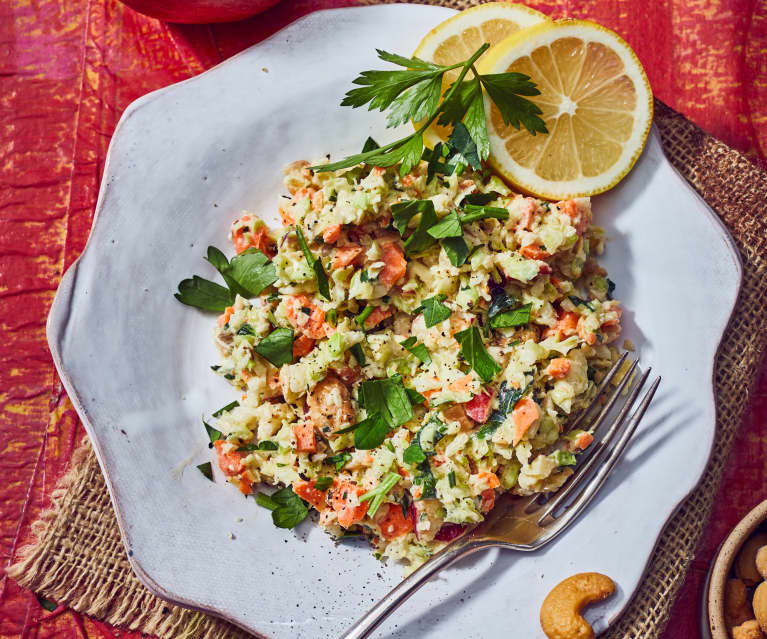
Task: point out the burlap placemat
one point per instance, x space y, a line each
79 560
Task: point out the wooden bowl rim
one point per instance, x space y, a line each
723 564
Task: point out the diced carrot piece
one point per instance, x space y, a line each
258 238
559 367
524 415
566 325
344 498
478 407
491 478
302 345
428 393
583 441
224 317
395 264
229 462
378 315
306 441
346 255
461 384
308 491
488 500
395 524
245 485
312 323
532 252
331 233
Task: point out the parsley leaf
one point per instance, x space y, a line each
413 454
507 400
425 479
500 302
434 311
517 317
480 199
419 350
414 396
581 302
474 352
420 239
264 445
206 469
323 483
277 347
448 226
288 509
370 145
403 212
456 249
505 89
340 460
387 404
359 354
461 140
246 329
252 272
213 434
247 274
388 398
416 103
226 409
323 286
370 432
204 294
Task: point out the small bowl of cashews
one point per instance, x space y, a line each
737 589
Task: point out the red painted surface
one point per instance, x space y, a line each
67 71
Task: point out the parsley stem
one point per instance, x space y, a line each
467 64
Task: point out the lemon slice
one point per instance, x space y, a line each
596 102
458 37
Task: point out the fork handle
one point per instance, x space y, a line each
444 558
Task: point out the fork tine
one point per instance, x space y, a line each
605 382
602 445
611 399
601 475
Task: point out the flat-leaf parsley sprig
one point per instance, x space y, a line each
414 94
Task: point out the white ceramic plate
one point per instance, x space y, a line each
184 161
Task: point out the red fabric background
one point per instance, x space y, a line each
68 68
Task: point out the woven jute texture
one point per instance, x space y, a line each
78 558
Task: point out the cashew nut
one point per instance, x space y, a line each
745 565
561 610
760 605
736 606
747 630
761 561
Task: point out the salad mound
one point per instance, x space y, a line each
420 350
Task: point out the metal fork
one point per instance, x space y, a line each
525 523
